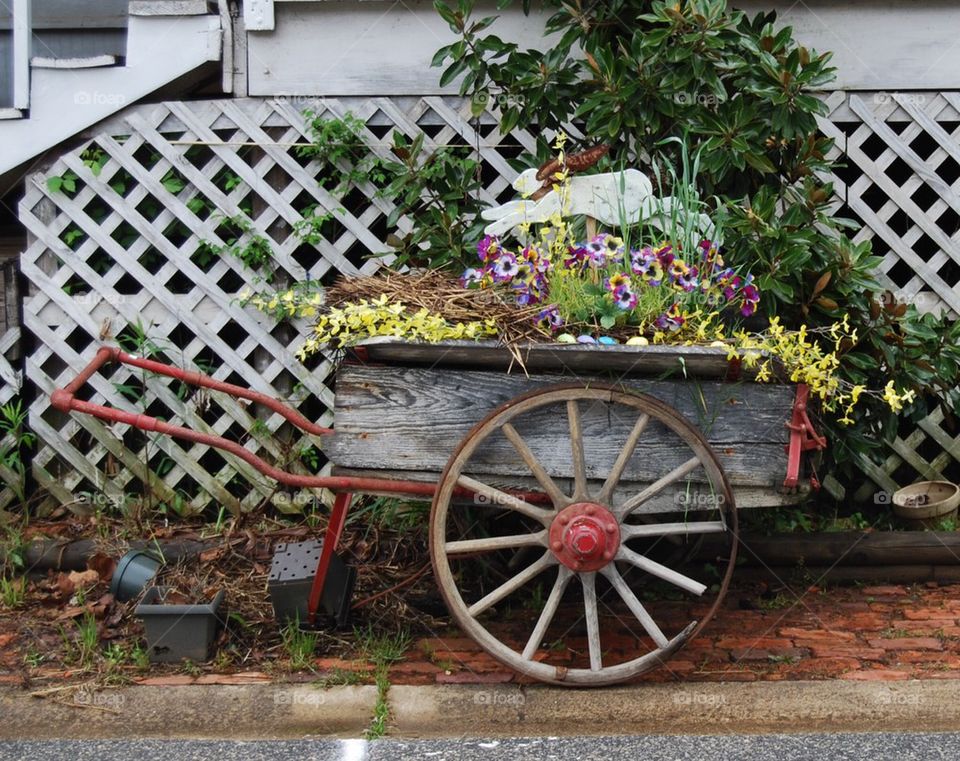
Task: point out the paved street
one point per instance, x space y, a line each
856 747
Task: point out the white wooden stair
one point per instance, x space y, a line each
165 41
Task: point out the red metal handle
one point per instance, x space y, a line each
65 400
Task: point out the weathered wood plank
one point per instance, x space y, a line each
413 418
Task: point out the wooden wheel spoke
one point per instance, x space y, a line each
660 571
672 529
576 447
635 606
589 581
512 585
502 499
606 493
491 543
549 611
658 486
559 499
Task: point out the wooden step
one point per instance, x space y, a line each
93 62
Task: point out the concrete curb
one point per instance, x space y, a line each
265 711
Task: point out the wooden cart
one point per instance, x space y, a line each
567 493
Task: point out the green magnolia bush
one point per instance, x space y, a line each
637 74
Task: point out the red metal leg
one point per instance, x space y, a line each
330 540
803 437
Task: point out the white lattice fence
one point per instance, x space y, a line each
105 258
125 253
901 179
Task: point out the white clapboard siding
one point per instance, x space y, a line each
902 150
379 46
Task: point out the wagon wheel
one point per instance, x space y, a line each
580 538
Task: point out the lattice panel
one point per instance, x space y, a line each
104 259
901 179
126 254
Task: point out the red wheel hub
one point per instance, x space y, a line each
585 536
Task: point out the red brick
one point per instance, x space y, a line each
917 656
760 643
414 667
925 614
849 651
466 677
876 675
450 644
907 643
341 664
249 677
856 622
884 591
760 654
824 667
815 635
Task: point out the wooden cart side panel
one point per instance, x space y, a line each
411 419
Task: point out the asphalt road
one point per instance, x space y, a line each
818 747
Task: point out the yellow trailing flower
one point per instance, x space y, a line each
355 321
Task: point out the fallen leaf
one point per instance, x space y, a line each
104 565
208 556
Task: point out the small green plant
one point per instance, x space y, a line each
778 601
339 677
190 668
382 649
13 592
64 183
310 228
299 645
15 440
788 659
140 658
33 658
80 647
243 242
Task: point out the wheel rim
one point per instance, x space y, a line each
579 535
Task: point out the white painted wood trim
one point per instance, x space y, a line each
10 113
258 15
168 7
21 54
93 62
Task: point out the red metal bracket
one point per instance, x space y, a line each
338 517
803 437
